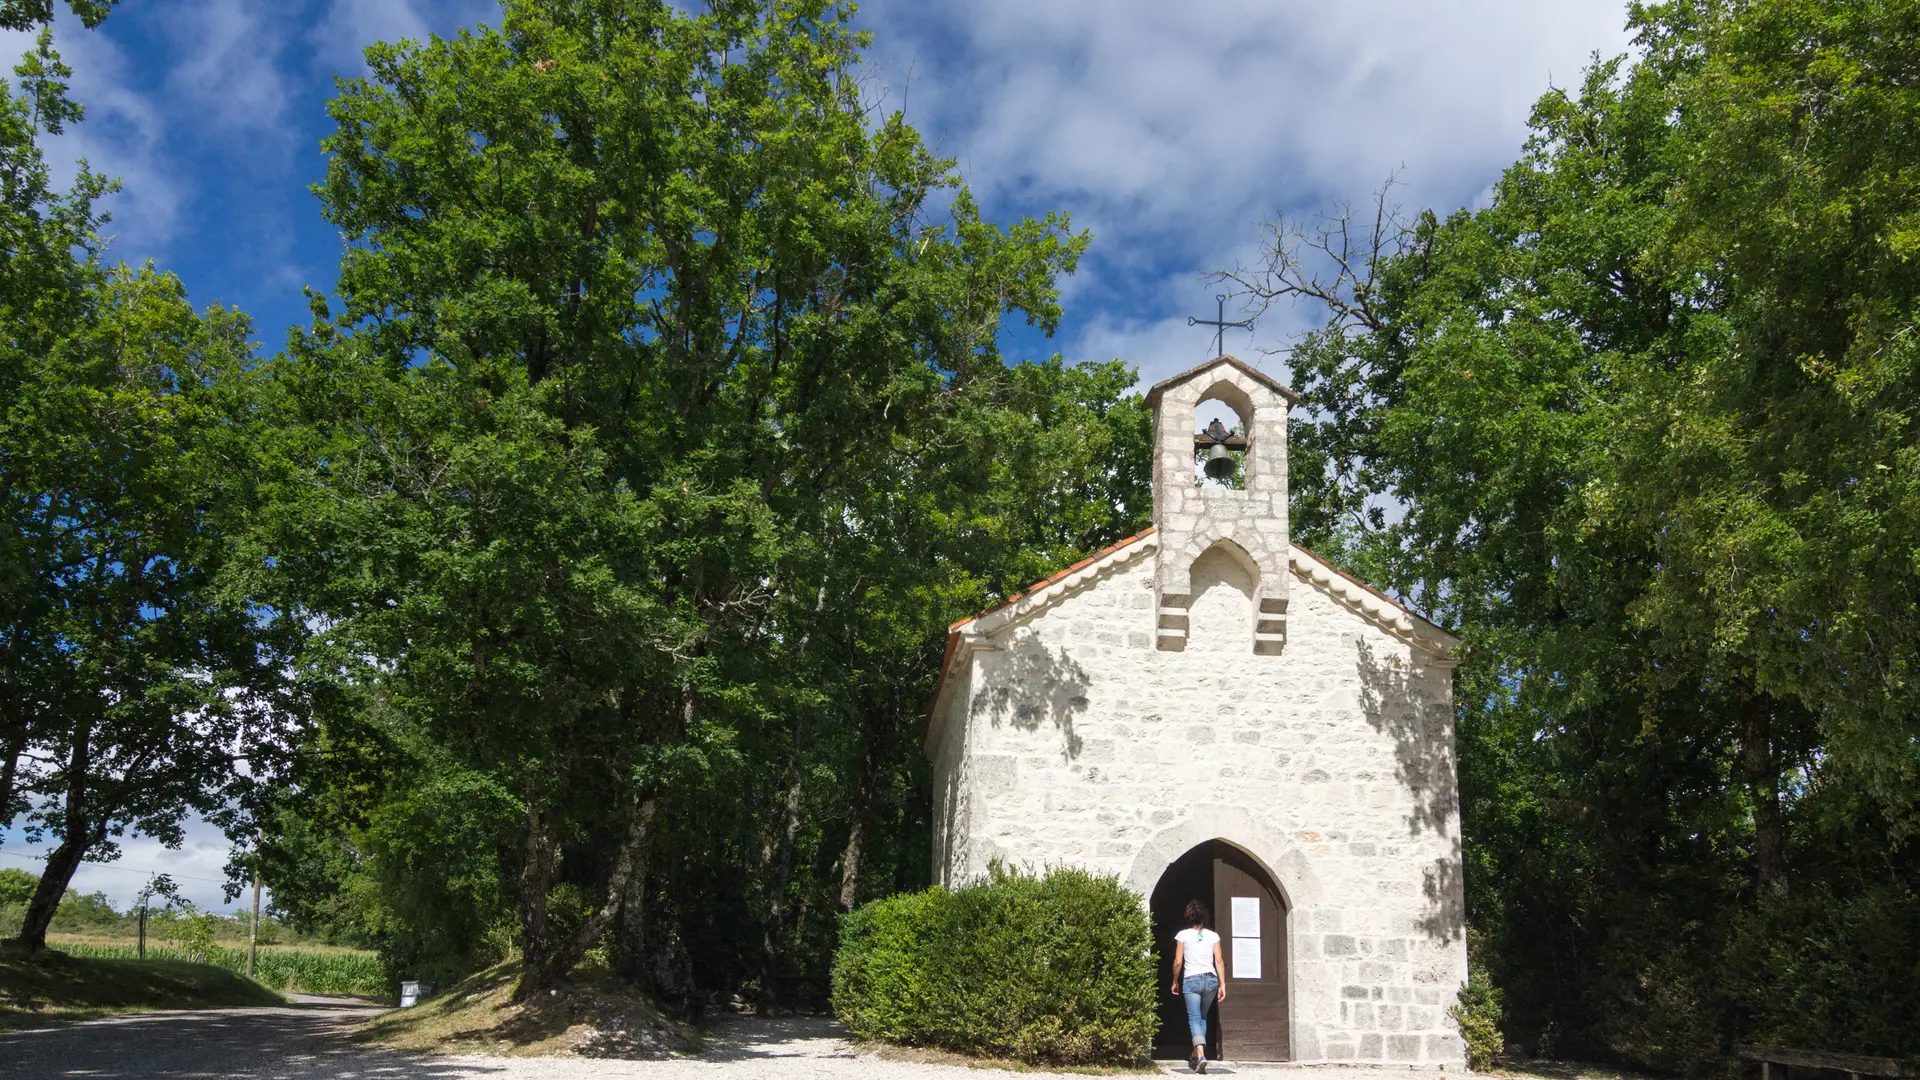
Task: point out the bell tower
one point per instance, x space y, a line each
1249 521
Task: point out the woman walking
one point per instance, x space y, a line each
1197 964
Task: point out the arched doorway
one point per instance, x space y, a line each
1250 915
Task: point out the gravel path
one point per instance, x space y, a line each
307 1041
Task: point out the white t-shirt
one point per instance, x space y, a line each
1199 953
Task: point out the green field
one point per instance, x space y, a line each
52 985
311 970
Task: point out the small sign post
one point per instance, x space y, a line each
140 950
253 938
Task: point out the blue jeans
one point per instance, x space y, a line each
1199 992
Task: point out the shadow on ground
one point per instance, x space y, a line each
1531 1068
303 1041
769 1038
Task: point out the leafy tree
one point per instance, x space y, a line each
28 14
144 684
624 473
46 278
87 913
190 930
1648 416
16 886
133 682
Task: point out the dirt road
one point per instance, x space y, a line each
308 1041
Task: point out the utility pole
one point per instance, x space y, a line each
253 938
141 951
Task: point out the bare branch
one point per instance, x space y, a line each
1334 263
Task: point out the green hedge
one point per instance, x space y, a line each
1055 969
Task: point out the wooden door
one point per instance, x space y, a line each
1189 878
1252 923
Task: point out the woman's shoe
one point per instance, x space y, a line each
1202 1069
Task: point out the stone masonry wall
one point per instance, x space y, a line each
1073 739
1189 518
953 785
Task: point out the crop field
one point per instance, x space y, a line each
312 969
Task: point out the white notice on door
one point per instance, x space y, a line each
1246 917
1246 957
1246 937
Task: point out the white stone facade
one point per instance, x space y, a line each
1299 716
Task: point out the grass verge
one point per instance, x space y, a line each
595 1015
36 988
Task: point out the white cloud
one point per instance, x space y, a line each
1165 346
122 137
198 867
1150 329
1144 105
228 73
349 26
1170 129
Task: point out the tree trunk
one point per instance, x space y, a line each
850 858
253 932
1756 762
76 835
10 767
777 902
538 859
629 864
631 947
860 821
15 717
558 958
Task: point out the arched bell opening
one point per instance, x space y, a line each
1250 915
1222 421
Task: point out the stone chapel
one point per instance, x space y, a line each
1210 711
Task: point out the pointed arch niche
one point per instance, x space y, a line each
1220 616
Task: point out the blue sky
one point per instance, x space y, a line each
1168 129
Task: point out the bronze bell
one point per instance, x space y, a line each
1219 462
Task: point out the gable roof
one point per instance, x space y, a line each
1377 607
1384 611
1251 372
1041 594
1037 587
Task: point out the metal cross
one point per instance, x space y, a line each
1220 323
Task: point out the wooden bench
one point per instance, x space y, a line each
1854 1065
